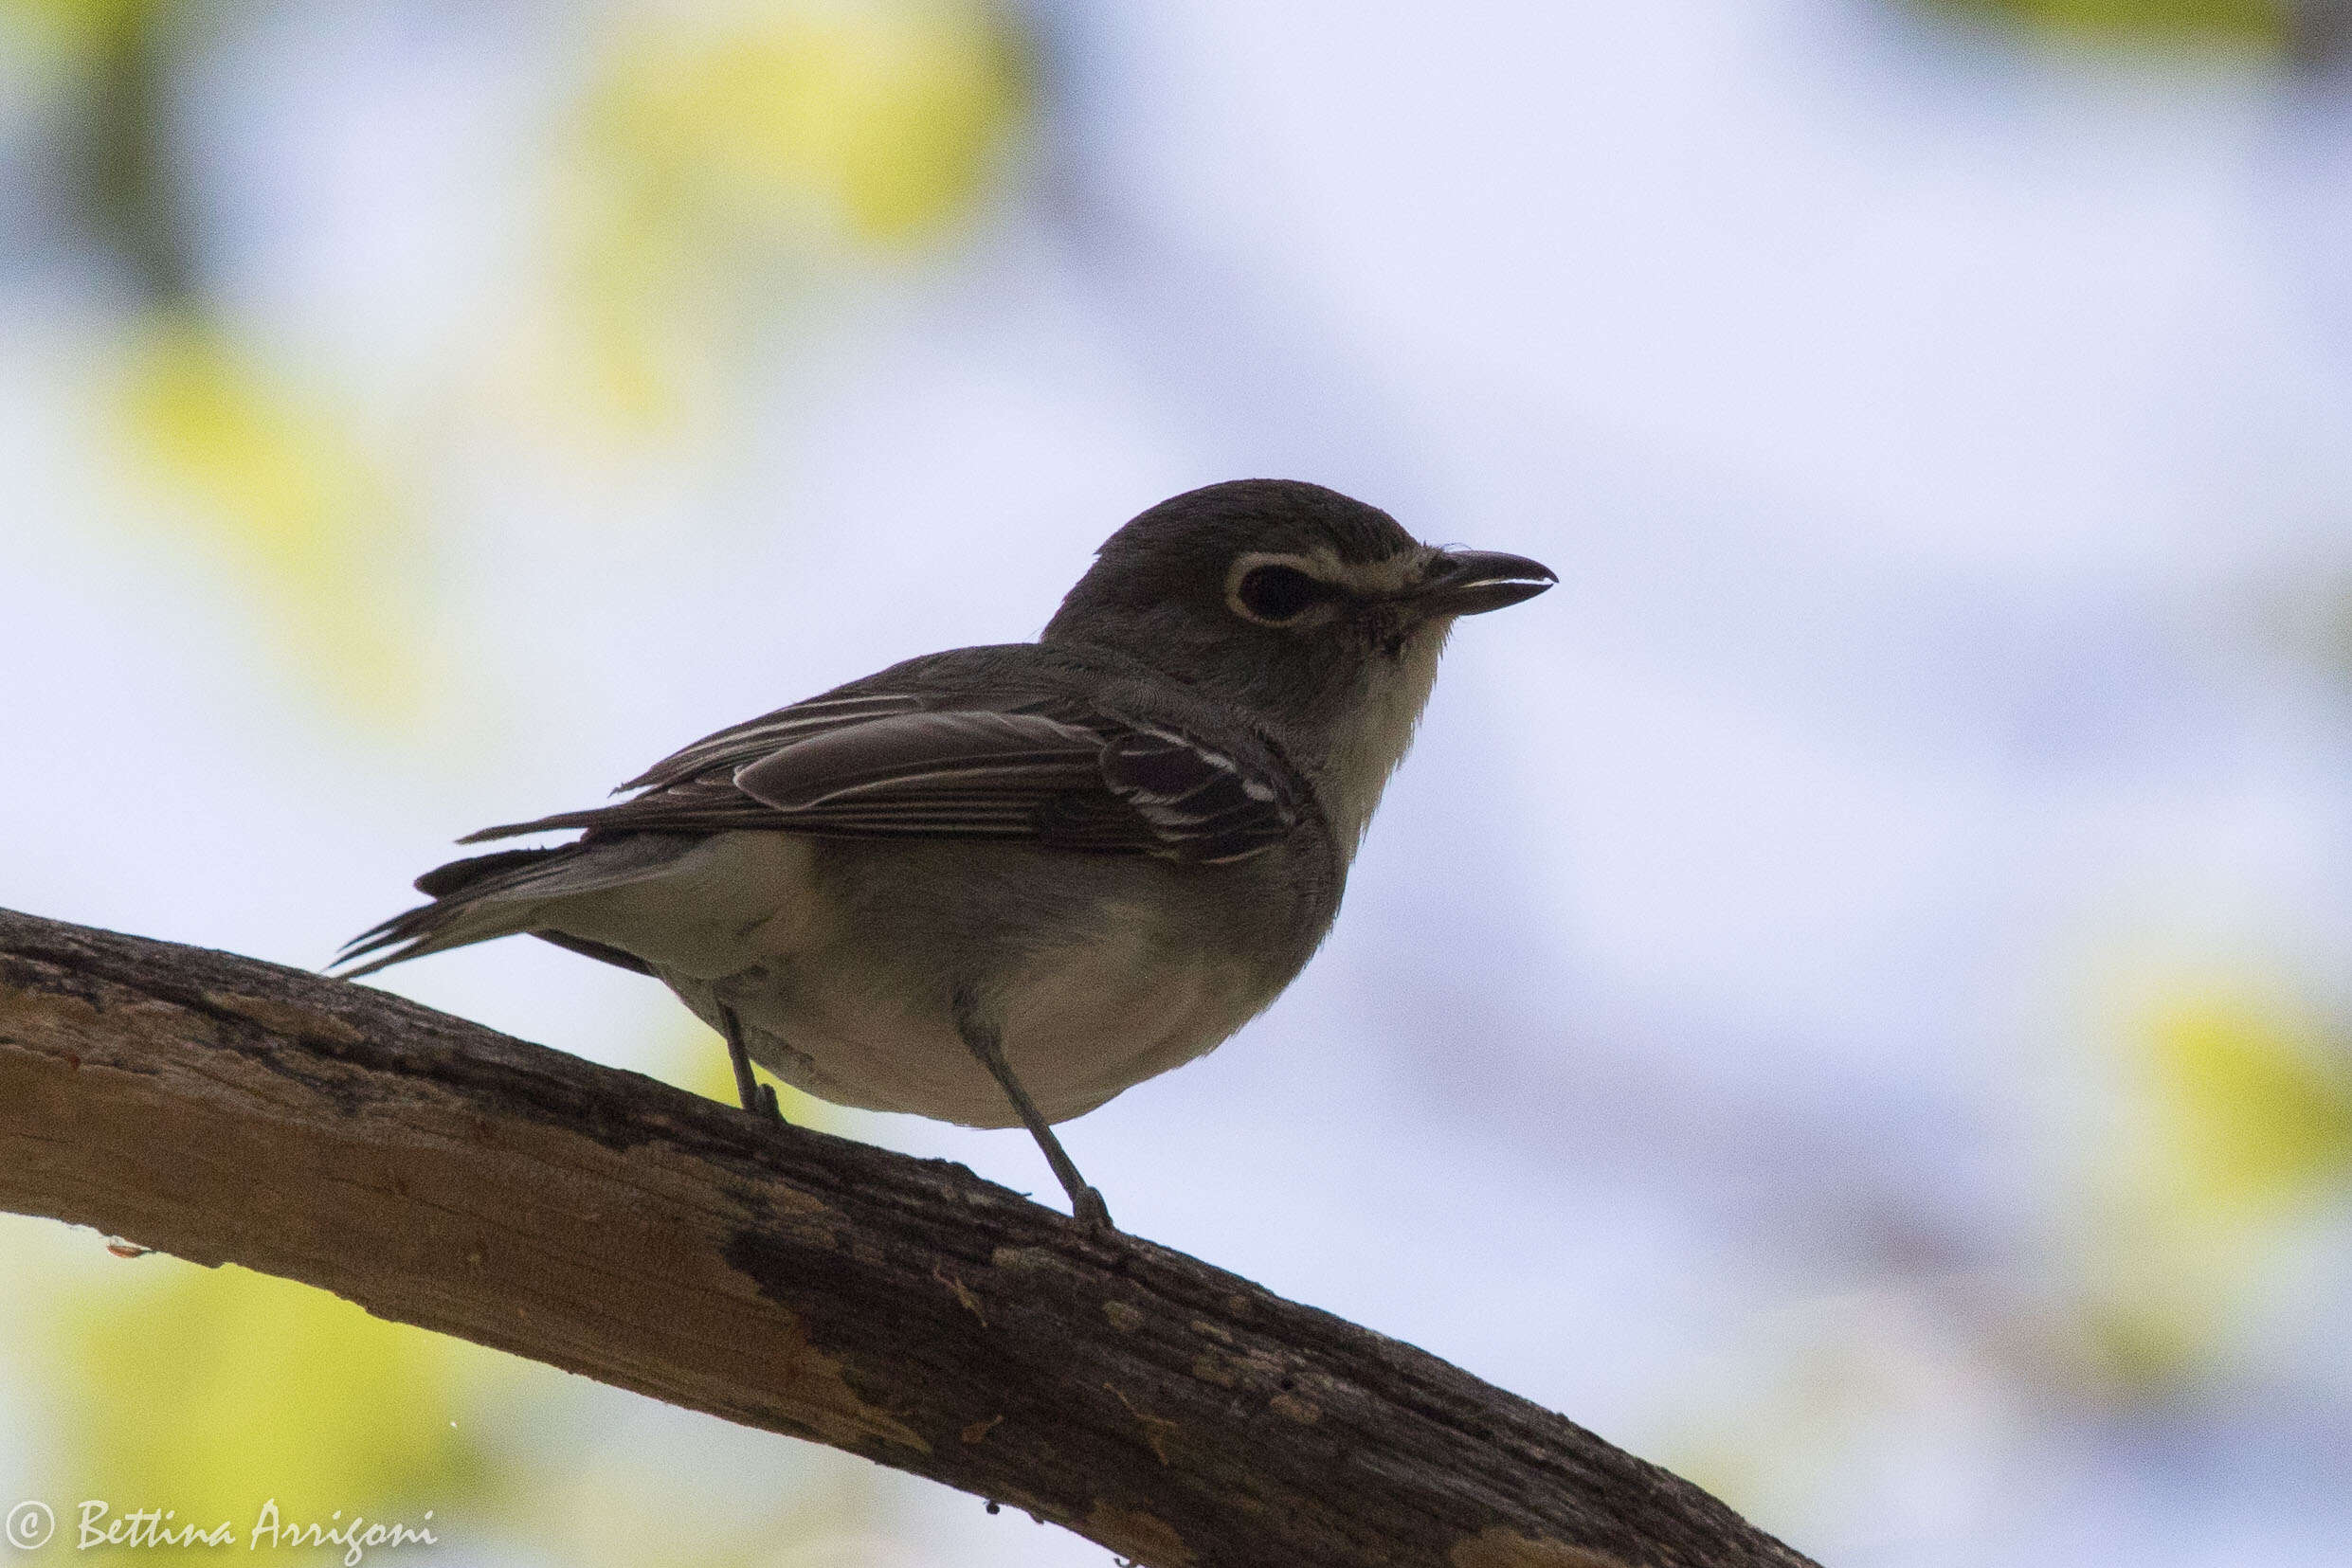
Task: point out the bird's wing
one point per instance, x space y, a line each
1048 771
747 742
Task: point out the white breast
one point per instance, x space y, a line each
1081 1020
1084 1022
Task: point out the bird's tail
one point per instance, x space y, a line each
484 897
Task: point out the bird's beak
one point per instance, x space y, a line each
1472 582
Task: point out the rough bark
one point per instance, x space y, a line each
441 1174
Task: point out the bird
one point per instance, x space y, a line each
1000 885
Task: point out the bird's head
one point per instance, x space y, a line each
1313 615
1282 593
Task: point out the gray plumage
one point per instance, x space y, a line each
1058 867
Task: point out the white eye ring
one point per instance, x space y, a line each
1281 590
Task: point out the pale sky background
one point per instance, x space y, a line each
1730 1037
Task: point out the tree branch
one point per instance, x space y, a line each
440 1174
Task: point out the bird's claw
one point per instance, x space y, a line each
1089 1211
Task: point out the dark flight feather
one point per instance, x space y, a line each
883 763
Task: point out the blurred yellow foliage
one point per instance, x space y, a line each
210 1391
2175 22
2241 1130
872 122
285 501
79 25
2256 1101
734 151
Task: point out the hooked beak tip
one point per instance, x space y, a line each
1472 582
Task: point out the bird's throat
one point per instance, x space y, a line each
1376 731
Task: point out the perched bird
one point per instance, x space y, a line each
1002 884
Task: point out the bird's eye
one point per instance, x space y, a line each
1278 595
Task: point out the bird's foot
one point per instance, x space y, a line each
1089 1210
757 1098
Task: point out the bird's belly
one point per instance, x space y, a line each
1079 1023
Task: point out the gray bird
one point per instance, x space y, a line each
1002 884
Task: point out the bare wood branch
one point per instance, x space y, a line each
440 1174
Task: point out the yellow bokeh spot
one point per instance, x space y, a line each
812 123
82 24
2235 1129
727 158
2236 23
2254 1102
209 1392
281 499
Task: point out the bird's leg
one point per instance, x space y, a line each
1086 1204
758 1098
